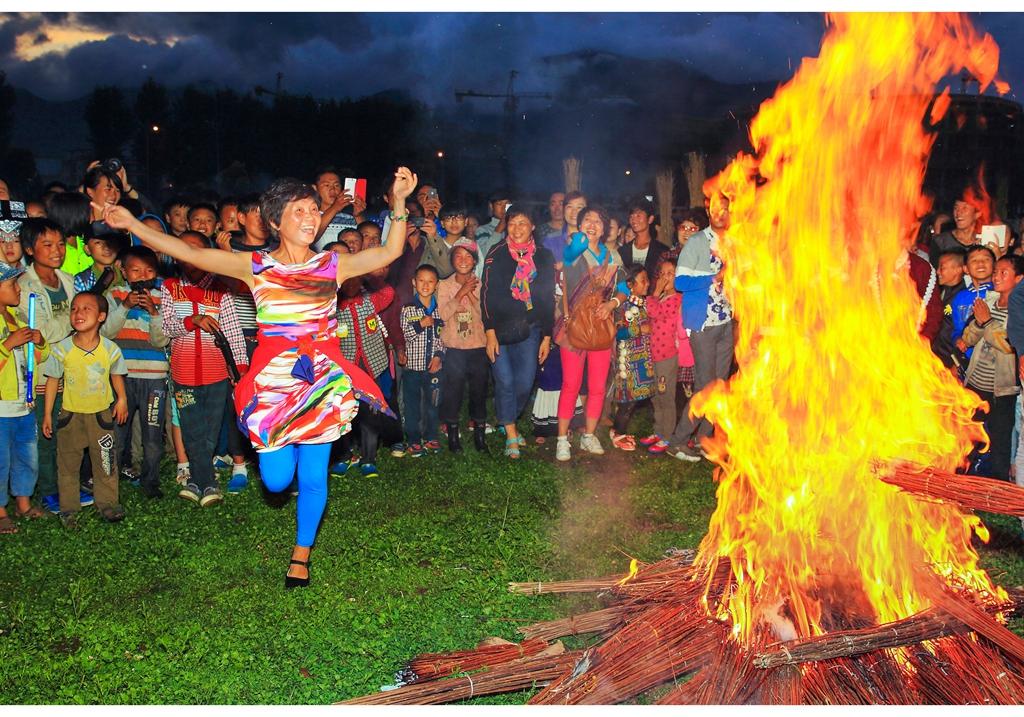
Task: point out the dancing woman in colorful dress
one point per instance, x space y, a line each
300 394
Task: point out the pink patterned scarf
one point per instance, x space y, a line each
526 271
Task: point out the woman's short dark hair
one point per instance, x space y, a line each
602 215
519 211
70 211
279 194
91 180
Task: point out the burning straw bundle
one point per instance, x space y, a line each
572 168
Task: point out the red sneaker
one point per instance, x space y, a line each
649 440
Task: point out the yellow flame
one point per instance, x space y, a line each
634 566
832 373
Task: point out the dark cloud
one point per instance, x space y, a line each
429 55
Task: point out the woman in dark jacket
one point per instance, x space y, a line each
518 313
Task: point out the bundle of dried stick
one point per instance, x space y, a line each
594 621
432 665
977 493
524 674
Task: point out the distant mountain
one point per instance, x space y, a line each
592 76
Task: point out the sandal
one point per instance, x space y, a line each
294 582
622 441
33 512
512 447
8 526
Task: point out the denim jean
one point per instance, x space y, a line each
18 456
200 410
148 398
421 391
514 369
712 359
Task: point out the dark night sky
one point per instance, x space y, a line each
63 55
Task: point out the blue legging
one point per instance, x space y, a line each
277 468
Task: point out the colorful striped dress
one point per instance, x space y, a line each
300 388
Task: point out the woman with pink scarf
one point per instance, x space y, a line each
518 305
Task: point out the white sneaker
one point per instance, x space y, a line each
562 450
590 444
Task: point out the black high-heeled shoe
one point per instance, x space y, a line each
293 582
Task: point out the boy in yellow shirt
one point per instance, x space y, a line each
18 446
90 365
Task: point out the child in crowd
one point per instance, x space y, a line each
253 236
11 214
364 343
43 243
437 253
135 325
950 273
371 234
981 262
90 365
227 215
193 309
992 371
202 218
663 309
103 249
465 358
421 380
632 365
18 457
176 215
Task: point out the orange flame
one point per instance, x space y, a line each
833 376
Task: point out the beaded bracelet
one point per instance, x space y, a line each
398 218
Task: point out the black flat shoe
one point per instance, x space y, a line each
454 442
480 438
293 582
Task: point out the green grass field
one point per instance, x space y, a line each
182 605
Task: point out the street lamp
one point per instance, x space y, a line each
149 180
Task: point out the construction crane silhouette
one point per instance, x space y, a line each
511 107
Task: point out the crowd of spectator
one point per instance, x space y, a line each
113 354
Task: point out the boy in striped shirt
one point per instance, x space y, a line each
135 325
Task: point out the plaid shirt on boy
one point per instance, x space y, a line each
421 344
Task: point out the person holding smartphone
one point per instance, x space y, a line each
493 231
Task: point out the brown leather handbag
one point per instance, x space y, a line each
583 329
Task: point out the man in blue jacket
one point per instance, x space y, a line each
707 317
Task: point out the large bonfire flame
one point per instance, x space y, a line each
833 376
820 581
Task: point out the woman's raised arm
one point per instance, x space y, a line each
215 261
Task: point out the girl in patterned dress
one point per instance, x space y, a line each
632 364
300 394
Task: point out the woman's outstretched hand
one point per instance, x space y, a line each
405 182
114 216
